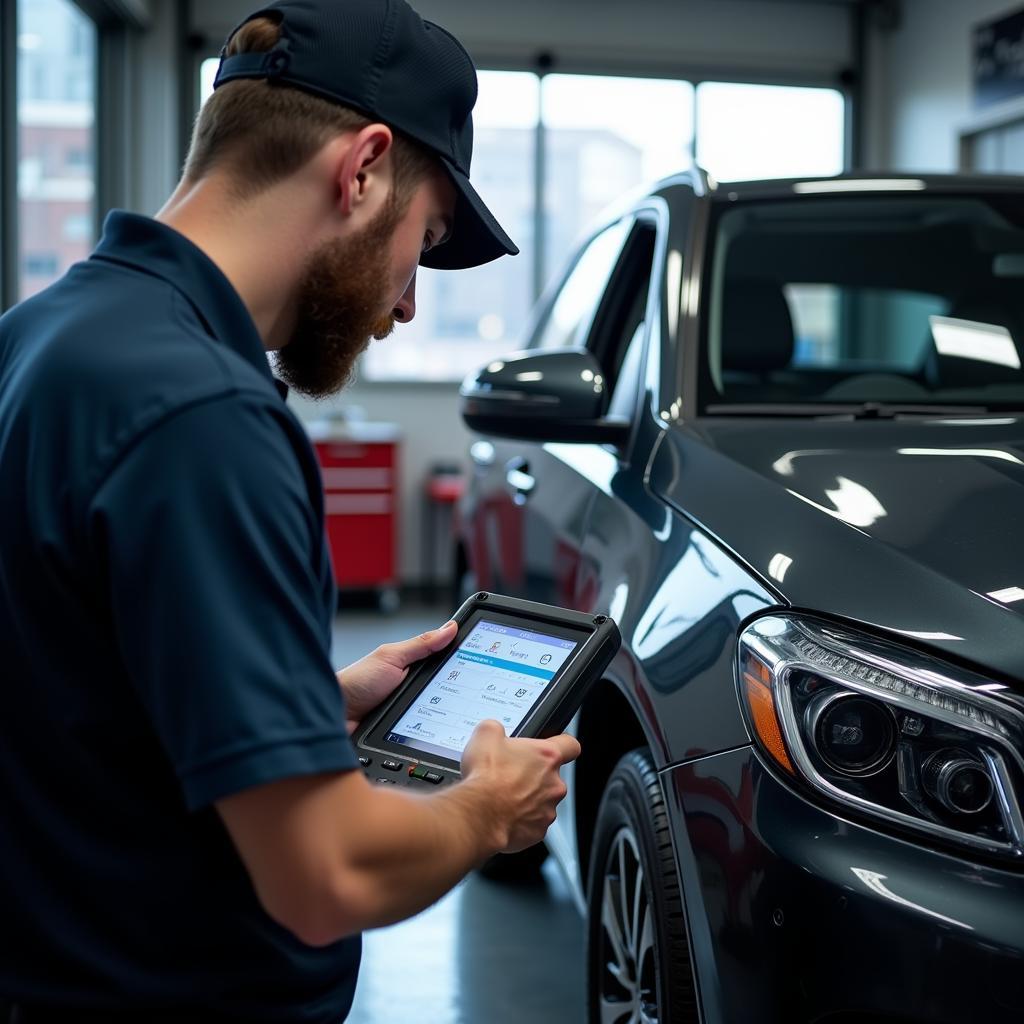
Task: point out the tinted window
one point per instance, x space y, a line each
619 329
568 321
911 300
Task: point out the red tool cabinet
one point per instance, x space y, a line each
359 464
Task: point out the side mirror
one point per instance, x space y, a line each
557 395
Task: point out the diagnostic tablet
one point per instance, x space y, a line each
525 664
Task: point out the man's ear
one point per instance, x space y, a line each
364 170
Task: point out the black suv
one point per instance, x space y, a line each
775 430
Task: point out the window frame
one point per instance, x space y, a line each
650 215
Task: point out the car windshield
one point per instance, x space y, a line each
871 303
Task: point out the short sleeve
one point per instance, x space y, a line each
209 541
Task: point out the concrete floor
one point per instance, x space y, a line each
486 952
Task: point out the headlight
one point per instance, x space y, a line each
897 735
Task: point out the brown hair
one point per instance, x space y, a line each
264 132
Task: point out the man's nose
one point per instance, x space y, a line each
405 308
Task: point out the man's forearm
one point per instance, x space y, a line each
412 848
332 855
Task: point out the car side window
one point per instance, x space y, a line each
570 316
619 327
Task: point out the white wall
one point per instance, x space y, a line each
919 83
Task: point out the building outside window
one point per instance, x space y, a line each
603 137
57 55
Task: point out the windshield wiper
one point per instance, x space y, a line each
887 411
851 410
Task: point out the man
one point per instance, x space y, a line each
185 832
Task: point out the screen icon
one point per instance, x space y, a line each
545 659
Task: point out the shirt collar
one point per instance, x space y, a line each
154 248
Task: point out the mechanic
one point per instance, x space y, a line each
186 835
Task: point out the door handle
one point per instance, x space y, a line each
517 476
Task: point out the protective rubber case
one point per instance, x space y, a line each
590 642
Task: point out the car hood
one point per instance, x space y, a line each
912 527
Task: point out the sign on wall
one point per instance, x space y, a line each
999 59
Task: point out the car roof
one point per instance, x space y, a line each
861 183
700 183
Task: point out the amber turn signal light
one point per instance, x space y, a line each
757 688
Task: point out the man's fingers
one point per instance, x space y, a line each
432 640
568 747
441 636
405 652
490 726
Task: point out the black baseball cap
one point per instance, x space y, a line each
381 58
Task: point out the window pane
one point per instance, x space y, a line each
604 136
467 317
56 139
769 131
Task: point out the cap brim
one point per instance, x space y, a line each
477 238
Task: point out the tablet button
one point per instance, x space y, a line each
433 777
417 772
390 782
365 761
392 766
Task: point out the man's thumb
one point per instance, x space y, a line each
435 639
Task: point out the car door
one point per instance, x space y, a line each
618 337
677 595
532 503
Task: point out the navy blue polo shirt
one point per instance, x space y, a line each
165 616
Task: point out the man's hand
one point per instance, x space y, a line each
521 779
372 679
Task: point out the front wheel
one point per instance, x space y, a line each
638 957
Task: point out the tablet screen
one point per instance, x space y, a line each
497 671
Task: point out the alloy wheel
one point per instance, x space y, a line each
628 984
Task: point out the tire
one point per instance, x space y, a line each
514 868
638 956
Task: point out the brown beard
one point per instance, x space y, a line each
344 288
